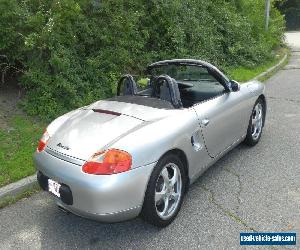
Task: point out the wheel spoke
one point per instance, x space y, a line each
255 129
260 111
166 207
159 195
259 115
165 175
174 196
254 121
254 126
174 179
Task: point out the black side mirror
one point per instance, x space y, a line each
234 86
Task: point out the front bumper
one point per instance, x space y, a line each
107 198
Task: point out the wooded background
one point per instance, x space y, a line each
67 53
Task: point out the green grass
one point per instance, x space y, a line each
17 145
243 74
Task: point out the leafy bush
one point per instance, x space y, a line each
72 52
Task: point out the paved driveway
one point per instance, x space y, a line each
249 189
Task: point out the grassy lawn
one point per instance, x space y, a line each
243 74
18 142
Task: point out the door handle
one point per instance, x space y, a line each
204 122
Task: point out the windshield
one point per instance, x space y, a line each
183 72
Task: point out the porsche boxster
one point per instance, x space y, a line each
137 153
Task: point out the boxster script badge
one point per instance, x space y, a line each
62 146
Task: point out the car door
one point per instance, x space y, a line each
220 122
221 116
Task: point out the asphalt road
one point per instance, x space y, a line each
249 189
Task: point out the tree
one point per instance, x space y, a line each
291 10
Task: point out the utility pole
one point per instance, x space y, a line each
267 14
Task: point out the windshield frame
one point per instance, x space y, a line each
197 63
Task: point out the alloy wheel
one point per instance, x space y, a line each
257 121
168 191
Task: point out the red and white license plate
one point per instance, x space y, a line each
54 187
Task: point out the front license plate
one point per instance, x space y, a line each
53 187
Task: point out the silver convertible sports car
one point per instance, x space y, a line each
137 153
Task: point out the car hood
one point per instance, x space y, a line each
83 132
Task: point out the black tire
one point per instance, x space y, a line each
149 212
250 140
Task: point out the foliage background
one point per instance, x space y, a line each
291 10
69 53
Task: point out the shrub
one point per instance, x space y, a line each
72 52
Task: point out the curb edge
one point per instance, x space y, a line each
18 187
273 68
